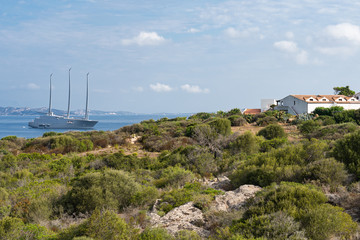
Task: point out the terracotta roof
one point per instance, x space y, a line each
252 111
327 98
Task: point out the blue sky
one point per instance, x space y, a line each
176 56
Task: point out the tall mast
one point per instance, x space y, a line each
68 111
50 97
87 97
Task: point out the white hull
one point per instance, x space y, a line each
60 122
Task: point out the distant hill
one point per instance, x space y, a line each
16 111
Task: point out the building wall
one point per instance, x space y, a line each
301 107
266 103
296 104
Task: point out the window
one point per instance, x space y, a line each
340 100
294 102
324 99
311 100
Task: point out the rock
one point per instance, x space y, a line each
233 200
220 183
187 217
184 217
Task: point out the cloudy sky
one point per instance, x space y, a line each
150 56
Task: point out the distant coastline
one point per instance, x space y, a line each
26 111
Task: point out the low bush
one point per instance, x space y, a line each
272 131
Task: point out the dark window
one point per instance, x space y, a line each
294 102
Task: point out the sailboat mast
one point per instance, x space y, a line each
68 111
87 97
50 97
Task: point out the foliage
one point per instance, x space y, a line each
111 189
344 91
347 151
221 126
309 126
246 143
272 131
155 234
327 221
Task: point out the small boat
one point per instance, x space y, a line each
52 121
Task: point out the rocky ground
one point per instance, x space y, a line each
188 217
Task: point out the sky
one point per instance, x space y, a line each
148 56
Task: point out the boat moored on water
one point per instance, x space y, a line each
52 121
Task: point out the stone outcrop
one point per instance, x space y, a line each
221 183
190 218
184 217
233 200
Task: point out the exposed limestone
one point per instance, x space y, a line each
190 218
184 217
221 183
233 200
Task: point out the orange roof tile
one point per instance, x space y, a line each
252 111
330 98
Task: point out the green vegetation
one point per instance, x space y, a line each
101 185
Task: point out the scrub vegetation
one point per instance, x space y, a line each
100 185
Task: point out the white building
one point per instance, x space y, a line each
300 104
266 104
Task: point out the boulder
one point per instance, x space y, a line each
184 217
233 200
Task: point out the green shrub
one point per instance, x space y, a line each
110 189
187 235
237 120
326 171
272 131
155 234
14 228
309 126
276 226
266 120
326 221
174 177
347 150
294 199
222 126
107 225
246 143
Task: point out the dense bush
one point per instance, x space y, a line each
221 125
272 131
111 189
246 143
284 211
237 120
283 164
347 150
309 126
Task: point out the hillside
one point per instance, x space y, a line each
213 176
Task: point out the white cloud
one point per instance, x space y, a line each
289 35
159 87
193 30
344 31
287 46
232 32
145 38
345 51
32 86
299 55
138 89
194 89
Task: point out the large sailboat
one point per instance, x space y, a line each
52 121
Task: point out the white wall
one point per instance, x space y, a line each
266 103
296 104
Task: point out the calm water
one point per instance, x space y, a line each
18 125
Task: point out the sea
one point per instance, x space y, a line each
18 125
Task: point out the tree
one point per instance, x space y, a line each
344 91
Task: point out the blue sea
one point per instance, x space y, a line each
18 125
